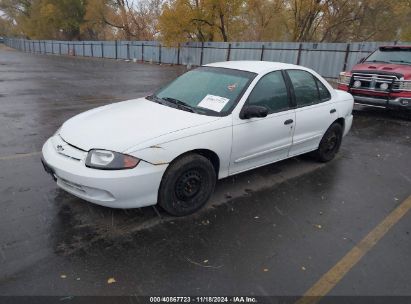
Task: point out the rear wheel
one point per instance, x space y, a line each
187 185
330 143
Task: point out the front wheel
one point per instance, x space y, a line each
187 185
330 143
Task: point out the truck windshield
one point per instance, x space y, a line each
206 90
391 55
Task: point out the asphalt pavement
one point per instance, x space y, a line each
272 231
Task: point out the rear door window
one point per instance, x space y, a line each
305 87
322 89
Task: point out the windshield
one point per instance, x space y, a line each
391 55
206 90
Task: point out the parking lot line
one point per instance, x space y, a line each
17 156
331 278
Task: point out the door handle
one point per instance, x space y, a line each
333 111
288 121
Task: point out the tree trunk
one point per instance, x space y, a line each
222 27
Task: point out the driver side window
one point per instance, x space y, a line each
270 92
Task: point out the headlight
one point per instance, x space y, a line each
402 85
384 86
109 160
356 84
344 78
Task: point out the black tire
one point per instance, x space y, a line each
330 143
187 185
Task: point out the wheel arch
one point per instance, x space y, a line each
163 194
340 121
207 153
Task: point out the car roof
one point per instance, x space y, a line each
259 67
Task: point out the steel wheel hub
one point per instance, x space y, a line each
331 143
188 185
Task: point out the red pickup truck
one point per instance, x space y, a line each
383 79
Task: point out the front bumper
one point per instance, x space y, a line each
393 100
131 188
397 103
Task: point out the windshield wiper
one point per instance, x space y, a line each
377 61
401 61
180 104
154 98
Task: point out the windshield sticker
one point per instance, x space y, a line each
232 87
212 102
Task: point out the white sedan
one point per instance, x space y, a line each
212 122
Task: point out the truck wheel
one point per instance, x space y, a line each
330 143
187 185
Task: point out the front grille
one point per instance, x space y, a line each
67 150
68 156
372 82
71 185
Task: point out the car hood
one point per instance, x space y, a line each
124 124
402 69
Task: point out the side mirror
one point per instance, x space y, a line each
361 60
253 111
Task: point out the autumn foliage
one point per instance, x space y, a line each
176 21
